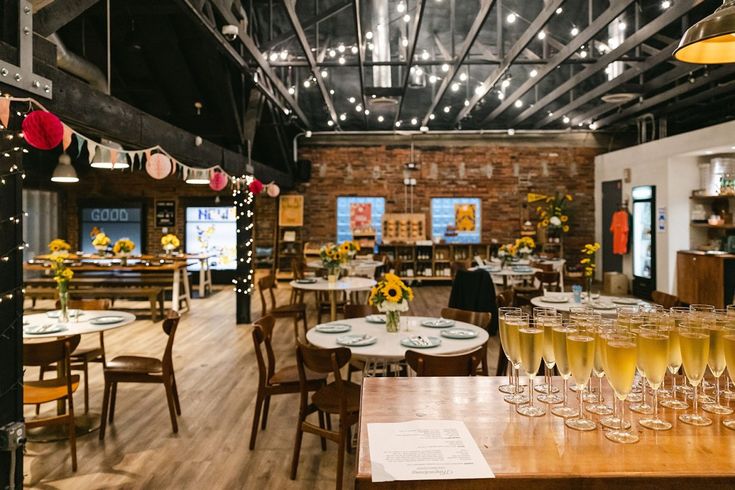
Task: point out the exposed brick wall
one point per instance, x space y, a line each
376 170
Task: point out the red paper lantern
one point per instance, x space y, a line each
158 166
217 181
256 187
43 130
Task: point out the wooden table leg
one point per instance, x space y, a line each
175 292
202 277
333 305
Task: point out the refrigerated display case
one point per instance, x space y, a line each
644 241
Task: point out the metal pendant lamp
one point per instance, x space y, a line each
64 172
712 39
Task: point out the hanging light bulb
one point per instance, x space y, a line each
431 116
353 50
341 60
432 78
447 109
307 83
291 90
342 116
566 120
398 124
406 18
401 7
332 53
518 103
712 39
414 121
463 76
574 31
455 87
341 48
541 35
369 35
510 18
284 54
381 118
425 55
404 42
533 73
330 123
351 100
445 67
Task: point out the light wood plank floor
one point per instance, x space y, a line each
217 376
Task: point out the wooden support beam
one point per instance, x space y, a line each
56 15
95 113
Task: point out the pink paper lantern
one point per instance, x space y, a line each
273 190
158 166
217 181
43 130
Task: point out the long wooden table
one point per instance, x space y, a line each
179 283
535 453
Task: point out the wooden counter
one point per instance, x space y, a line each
542 452
705 278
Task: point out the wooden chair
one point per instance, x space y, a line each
139 369
324 305
82 356
61 388
457 365
506 298
478 318
340 397
549 280
664 299
294 310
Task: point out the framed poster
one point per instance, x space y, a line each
212 230
165 214
361 214
464 217
291 210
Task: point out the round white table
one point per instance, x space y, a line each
346 284
508 272
88 422
388 347
604 305
80 326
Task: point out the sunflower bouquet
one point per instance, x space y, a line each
524 246
63 276
170 242
588 261
101 242
554 215
349 248
507 253
391 296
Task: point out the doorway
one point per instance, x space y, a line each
612 196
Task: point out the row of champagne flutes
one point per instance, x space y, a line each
646 340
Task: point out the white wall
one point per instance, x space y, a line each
670 164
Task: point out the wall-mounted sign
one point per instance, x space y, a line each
661 220
165 213
291 210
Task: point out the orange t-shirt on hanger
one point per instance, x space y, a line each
619 229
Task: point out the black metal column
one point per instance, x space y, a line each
244 207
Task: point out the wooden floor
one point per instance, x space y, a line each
217 376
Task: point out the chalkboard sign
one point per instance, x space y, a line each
165 213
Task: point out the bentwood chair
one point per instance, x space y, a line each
549 280
139 369
478 318
271 380
339 397
293 310
664 299
456 365
82 356
61 388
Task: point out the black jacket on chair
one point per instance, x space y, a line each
475 291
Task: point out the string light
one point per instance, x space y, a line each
445 67
574 31
243 201
511 18
447 109
381 118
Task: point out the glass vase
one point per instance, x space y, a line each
332 274
392 321
588 288
63 303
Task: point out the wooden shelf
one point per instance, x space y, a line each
711 197
714 227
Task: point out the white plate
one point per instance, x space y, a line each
602 305
555 299
428 343
44 329
438 323
106 320
333 328
625 301
459 333
72 313
356 340
305 281
375 318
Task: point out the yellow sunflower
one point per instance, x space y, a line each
392 293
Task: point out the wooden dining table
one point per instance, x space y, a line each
542 453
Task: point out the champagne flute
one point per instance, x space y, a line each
559 339
611 421
637 394
598 368
716 360
504 344
581 353
642 406
694 342
538 313
620 352
679 316
531 344
728 341
548 323
514 321
727 393
703 316
653 353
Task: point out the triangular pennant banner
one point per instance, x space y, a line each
66 138
4 111
80 143
91 147
113 157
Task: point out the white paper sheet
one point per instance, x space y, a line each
425 450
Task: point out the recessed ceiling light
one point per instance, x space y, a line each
518 103
511 18
533 73
574 31
381 119
447 109
445 67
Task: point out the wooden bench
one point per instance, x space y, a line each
153 294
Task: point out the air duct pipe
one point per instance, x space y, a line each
78 66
